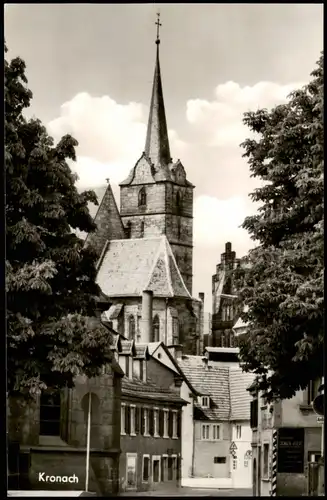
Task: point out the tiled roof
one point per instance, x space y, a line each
148 390
213 382
114 311
153 346
131 266
240 397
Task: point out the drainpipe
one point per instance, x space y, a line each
193 444
166 320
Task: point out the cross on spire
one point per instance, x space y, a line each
158 24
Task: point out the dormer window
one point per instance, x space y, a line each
205 401
142 197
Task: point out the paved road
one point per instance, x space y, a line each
186 491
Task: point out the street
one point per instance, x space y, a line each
186 491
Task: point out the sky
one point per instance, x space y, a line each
90 68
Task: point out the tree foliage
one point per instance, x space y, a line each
282 286
50 274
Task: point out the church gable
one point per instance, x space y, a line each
142 173
108 221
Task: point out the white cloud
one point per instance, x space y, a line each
219 122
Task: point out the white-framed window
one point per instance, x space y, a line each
133 418
174 436
265 460
238 432
164 467
234 463
156 422
205 432
205 401
122 418
174 466
131 468
166 423
216 432
156 468
146 421
146 468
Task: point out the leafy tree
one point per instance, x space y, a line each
282 285
50 274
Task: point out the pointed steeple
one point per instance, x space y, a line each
157 143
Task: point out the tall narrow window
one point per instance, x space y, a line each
142 229
131 327
205 434
142 197
122 418
156 329
174 416
265 460
128 229
156 422
175 331
166 424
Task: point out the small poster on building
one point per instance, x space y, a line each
291 450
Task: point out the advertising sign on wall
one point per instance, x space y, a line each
291 450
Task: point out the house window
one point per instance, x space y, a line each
156 329
133 419
205 432
164 468
146 422
216 432
142 197
254 413
166 423
205 400
156 422
131 459
131 327
219 460
234 463
238 431
156 468
142 229
170 468
146 468
122 419
127 366
128 229
265 467
50 414
174 436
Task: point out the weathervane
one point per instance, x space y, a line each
158 24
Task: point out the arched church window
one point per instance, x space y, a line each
131 327
156 329
142 197
128 229
142 229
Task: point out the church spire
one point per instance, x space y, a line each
157 143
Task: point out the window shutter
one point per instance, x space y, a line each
128 420
151 422
170 424
161 423
179 423
137 420
142 422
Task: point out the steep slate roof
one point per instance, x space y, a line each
148 390
153 267
240 396
213 382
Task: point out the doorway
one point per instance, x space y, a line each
131 461
156 469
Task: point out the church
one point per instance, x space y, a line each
145 248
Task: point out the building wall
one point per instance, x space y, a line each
242 475
290 413
205 451
69 448
187 432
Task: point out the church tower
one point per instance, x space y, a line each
156 198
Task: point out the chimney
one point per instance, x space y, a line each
176 350
147 308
